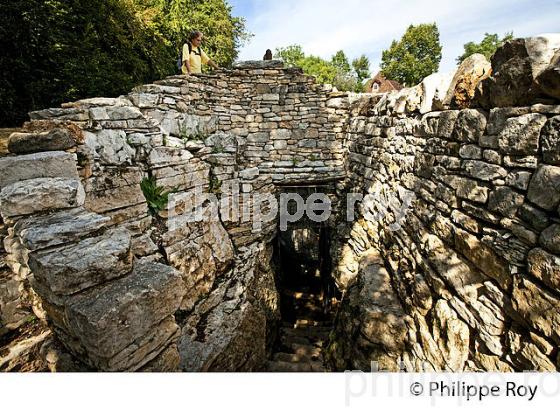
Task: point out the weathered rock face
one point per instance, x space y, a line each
372 326
40 194
548 80
228 330
472 259
515 69
57 139
434 87
462 88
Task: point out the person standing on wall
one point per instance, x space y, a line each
193 56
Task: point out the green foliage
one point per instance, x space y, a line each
61 50
291 55
214 185
414 57
324 71
56 51
175 19
487 46
340 62
156 196
361 68
337 71
185 136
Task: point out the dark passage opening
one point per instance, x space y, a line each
308 294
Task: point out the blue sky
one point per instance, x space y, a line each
358 27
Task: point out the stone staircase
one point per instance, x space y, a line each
303 338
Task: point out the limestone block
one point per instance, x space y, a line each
446 123
113 177
434 87
249 173
515 66
529 162
468 76
548 81
493 157
451 335
51 164
99 102
57 139
540 308
550 238
110 146
165 156
38 232
90 262
544 266
231 338
114 318
470 151
520 135
505 201
483 257
40 194
483 171
470 126
143 245
113 113
195 173
535 217
544 188
519 179
258 64
116 198
550 140
260 137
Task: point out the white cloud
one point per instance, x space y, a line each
358 27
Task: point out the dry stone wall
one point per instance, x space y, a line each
450 264
465 275
127 289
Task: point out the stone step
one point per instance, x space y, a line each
313 334
287 340
306 350
287 367
304 323
291 358
299 295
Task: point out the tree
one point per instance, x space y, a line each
175 19
340 62
337 71
414 57
361 68
323 70
61 50
487 46
290 55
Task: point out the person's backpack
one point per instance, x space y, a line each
180 58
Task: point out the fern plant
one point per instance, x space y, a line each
156 196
